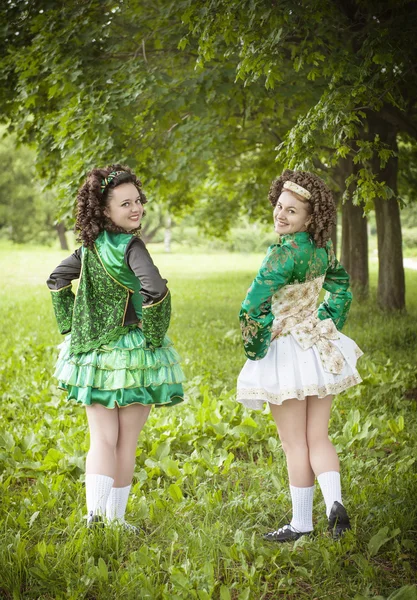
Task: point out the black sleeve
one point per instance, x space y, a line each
138 259
69 269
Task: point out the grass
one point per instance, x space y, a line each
210 476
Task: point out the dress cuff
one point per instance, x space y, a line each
63 303
256 336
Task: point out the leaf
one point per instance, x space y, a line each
208 570
227 463
162 450
249 422
407 592
33 518
175 492
102 569
224 593
343 151
183 43
41 548
239 537
276 482
44 490
379 539
53 457
179 579
170 467
6 440
28 441
393 426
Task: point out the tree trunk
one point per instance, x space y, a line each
153 223
148 233
334 236
354 254
60 228
337 200
391 280
355 248
345 253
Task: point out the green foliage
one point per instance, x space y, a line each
210 476
198 97
407 180
242 237
26 210
116 85
357 55
410 237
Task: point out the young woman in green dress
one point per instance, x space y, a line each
298 359
116 359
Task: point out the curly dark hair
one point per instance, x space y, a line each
323 209
91 202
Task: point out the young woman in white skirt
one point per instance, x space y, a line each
298 357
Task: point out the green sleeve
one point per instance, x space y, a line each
155 321
255 316
63 303
338 296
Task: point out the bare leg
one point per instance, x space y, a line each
131 421
104 430
291 421
323 457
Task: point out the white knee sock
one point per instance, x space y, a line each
97 490
302 508
330 486
116 503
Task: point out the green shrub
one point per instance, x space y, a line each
410 237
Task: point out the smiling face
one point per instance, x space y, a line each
291 215
124 207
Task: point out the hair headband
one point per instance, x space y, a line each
297 189
105 182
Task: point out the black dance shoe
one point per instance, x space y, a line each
338 520
94 521
284 534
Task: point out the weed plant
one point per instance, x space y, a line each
210 476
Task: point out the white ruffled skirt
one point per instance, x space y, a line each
288 371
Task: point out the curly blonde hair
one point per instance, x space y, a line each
92 200
323 209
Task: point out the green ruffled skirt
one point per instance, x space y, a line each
121 373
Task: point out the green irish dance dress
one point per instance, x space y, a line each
116 352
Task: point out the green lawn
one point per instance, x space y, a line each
210 476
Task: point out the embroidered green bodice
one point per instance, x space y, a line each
96 315
111 249
285 292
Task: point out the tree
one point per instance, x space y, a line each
196 96
95 81
366 54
